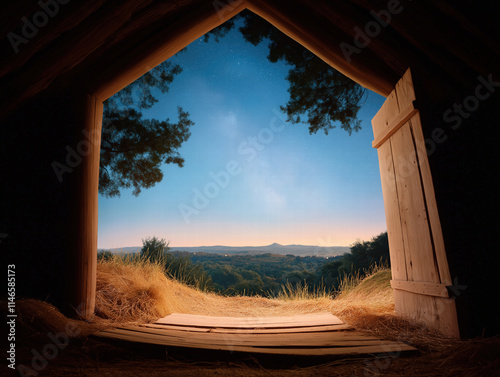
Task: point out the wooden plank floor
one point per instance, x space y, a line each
308 335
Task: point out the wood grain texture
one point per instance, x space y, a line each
437 313
86 176
314 339
279 336
403 117
430 200
419 253
423 288
381 124
250 322
276 330
363 348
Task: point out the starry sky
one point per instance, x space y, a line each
250 178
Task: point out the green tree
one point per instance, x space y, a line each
300 277
132 148
183 269
154 249
365 253
104 255
330 273
226 276
249 287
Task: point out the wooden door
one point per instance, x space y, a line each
420 273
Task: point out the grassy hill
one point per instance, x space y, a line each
138 290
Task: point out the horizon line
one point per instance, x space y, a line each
275 243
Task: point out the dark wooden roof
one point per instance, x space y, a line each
92 45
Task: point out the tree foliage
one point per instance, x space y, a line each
183 269
266 274
331 273
179 267
154 249
132 148
104 255
363 254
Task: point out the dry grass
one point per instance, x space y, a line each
138 291
370 292
34 316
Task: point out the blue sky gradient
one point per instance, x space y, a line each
249 178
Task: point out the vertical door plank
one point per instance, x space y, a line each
419 253
381 123
405 91
388 112
430 198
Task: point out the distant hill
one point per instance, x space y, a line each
124 250
275 248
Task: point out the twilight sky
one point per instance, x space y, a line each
250 179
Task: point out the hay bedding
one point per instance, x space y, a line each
89 357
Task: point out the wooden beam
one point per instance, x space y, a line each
395 125
422 288
162 45
84 219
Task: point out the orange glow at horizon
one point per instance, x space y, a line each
317 234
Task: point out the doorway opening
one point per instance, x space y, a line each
289 204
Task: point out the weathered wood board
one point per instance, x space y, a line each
250 322
307 335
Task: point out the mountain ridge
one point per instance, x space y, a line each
274 248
